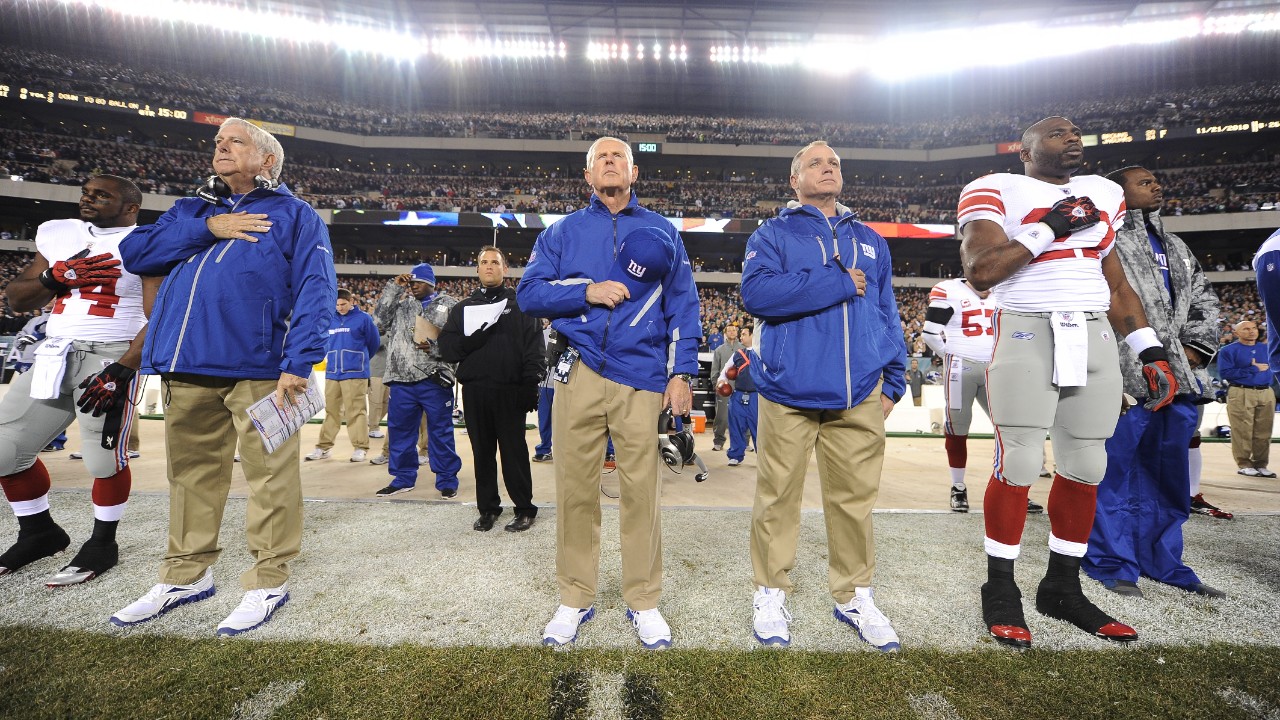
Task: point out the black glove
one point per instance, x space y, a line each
528 397
80 271
105 391
1161 384
1071 215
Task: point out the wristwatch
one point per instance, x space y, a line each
683 376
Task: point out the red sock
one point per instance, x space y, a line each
1004 509
30 484
114 490
957 450
1071 508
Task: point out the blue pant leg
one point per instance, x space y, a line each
445 462
1164 486
1113 552
546 396
404 415
738 426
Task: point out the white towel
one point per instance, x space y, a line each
49 367
954 383
1070 348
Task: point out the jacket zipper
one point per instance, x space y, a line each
191 299
604 339
844 309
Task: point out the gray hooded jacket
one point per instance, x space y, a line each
1191 319
397 313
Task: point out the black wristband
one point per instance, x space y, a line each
1060 226
1153 354
46 279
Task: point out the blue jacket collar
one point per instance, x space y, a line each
598 204
794 207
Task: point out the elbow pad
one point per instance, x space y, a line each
937 314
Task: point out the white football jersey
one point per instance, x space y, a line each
102 313
1066 276
969 332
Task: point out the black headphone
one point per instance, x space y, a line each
215 188
676 448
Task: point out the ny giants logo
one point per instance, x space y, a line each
636 269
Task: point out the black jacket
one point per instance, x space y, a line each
507 353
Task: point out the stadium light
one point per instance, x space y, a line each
354 39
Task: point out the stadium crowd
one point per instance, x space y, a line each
63 158
319 106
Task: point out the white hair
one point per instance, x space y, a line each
591 151
795 161
266 143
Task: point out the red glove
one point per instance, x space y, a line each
1071 215
1161 384
80 271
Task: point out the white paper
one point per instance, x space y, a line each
478 317
276 424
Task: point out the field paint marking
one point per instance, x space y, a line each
604 699
267 701
1254 707
932 706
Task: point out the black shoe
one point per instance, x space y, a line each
449 494
95 557
1207 590
1034 508
33 546
1067 602
1002 612
390 490
542 457
484 523
520 524
1128 588
959 499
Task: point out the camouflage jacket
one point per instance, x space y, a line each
1191 318
397 313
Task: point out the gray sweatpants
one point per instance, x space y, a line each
1025 403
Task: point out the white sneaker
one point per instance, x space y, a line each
379 460
76 455
771 617
377 434
563 628
872 626
653 630
734 463
134 454
256 608
423 459
318 454
1263 472
1249 472
358 456
164 597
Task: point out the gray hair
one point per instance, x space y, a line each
795 161
591 151
266 143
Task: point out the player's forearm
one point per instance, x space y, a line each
27 294
132 358
993 265
1126 313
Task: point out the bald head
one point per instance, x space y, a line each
1052 150
1246 331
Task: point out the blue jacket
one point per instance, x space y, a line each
1266 266
353 339
1235 364
743 382
231 308
628 344
819 345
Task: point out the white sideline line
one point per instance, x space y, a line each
263 704
1254 707
604 698
932 706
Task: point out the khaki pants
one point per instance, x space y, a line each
585 411
204 417
850 446
1252 414
345 400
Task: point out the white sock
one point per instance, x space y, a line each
1195 465
957 478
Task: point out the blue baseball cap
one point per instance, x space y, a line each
423 273
644 258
